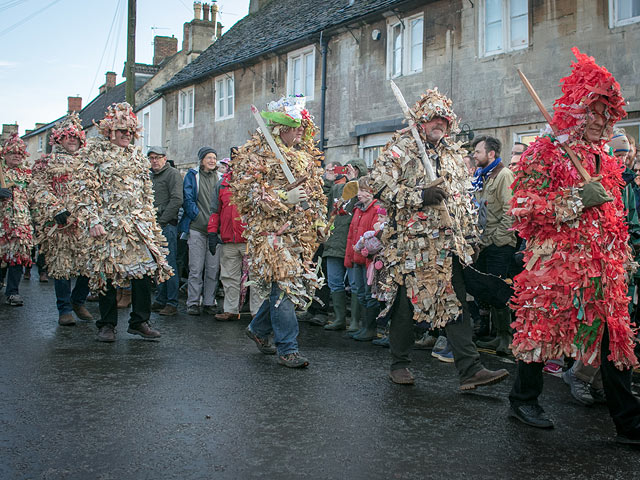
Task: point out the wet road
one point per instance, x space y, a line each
204 403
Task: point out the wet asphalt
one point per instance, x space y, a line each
204 403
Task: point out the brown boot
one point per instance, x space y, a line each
402 376
107 334
66 320
227 317
125 299
82 313
144 330
483 378
44 278
168 311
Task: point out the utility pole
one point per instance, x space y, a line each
130 94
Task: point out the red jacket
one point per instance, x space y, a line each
225 219
362 221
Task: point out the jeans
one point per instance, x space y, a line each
65 297
335 273
363 290
279 318
167 292
14 274
459 332
140 303
624 407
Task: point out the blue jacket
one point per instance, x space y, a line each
190 199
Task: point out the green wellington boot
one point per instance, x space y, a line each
339 300
370 325
356 315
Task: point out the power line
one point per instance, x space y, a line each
10 4
115 14
115 50
27 18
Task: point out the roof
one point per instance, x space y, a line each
96 109
276 25
44 128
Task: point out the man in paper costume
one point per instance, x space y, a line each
571 299
427 241
16 231
56 219
125 243
281 234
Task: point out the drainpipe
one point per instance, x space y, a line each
323 88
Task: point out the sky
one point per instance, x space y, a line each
53 49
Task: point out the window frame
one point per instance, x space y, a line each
224 79
613 22
40 143
301 54
406 46
506 30
186 92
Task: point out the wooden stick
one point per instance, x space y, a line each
572 155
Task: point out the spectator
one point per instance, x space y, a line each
516 151
199 185
167 190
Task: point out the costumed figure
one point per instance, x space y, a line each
124 242
281 234
428 240
16 230
571 299
58 218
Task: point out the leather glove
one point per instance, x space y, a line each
5 193
214 240
433 196
61 218
594 194
296 195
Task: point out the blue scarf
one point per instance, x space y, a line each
482 174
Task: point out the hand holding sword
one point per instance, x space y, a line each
293 183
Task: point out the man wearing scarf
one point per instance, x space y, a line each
492 187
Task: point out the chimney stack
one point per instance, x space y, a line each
214 18
74 104
197 10
163 47
111 80
205 12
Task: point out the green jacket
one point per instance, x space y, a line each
336 244
167 191
494 201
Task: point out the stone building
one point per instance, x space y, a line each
342 53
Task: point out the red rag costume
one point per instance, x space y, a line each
574 282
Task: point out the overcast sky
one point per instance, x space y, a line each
52 49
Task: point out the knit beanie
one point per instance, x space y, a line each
204 151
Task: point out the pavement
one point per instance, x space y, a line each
204 403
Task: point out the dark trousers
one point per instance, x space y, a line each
14 274
459 332
324 294
624 408
140 303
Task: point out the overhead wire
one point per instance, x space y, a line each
117 37
106 44
27 18
10 4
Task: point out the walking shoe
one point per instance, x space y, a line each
552 368
579 389
382 341
14 300
293 360
144 330
106 333
427 342
263 343
44 278
598 394
484 377
82 313
168 311
532 415
304 316
27 274
193 310
442 350
66 320
402 376
156 307
227 317
319 320
209 309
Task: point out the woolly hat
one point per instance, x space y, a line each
204 151
619 142
287 111
588 83
14 145
69 126
435 104
119 116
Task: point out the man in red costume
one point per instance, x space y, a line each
571 299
